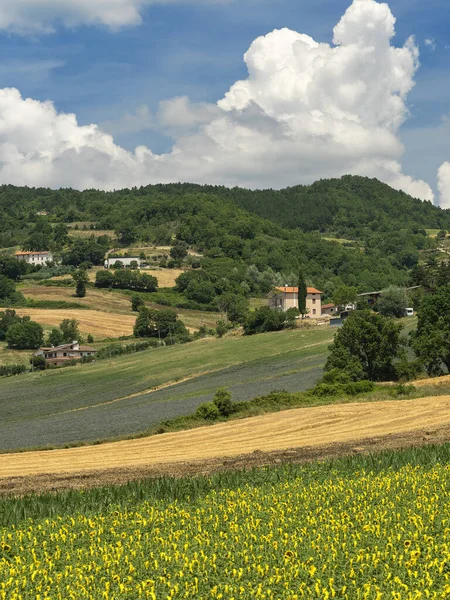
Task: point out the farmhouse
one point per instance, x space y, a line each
58 355
330 309
125 261
35 258
284 298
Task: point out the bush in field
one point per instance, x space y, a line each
11 370
136 303
208 411
264 319
39 363
222 400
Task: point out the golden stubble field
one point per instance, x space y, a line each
99 324
304 427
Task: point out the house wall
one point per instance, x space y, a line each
330 311
286 300
126 261
36 259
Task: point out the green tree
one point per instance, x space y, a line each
264 319
136 303
431 341
90 339
179 250
302 293
393 302
345 294
70 331
222 399
81 280
7 287
26 335
55 337
126 233
366 346
7 318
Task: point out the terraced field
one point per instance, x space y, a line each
129 394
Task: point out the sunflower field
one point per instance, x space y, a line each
350 530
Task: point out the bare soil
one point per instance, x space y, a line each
298 435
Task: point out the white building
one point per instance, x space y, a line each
35 258
126 261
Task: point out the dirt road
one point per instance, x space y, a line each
343 426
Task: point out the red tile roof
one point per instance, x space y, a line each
28 253
290 290
328 305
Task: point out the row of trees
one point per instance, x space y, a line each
126 279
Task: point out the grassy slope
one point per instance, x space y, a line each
83 403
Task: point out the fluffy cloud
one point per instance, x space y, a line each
444 185
306 111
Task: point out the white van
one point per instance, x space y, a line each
409 312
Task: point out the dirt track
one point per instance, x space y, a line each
317 431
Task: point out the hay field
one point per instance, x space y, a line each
304 427
97 299
114 301
99 324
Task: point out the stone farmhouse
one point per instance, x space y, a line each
58 355
35 258
284 298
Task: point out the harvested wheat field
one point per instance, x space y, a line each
99 324
294 429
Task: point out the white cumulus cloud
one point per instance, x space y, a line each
444 185
306 111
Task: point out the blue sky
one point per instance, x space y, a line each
196 49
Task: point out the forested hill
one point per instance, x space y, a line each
274 232
347 207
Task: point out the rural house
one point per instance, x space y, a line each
58 355
284 298
35 258
330 309
125 261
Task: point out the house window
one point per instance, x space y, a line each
314 301
314 311
65 354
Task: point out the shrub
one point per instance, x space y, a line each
402 390
11 370
222 400
207 411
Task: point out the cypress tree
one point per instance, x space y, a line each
302 293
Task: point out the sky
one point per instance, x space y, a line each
258 93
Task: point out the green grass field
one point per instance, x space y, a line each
358 528
129 394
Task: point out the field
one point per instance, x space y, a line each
99 324
110 302
316 426
364 528
13 357
129 394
